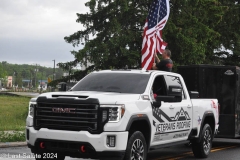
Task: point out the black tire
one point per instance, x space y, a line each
136 147
202 148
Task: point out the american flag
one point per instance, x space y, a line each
152 35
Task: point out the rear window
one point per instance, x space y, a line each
113 82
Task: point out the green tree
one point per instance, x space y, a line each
117 28
68 67
3 76
190 30
230 34
3 72
28 71
18 81
194 31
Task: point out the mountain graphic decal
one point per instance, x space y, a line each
180 116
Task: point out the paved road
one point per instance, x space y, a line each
223 149
29 94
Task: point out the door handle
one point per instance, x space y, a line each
171 107
189 106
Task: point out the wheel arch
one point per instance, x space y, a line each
208 118
142 124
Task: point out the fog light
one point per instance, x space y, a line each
111 140
83 149
42 145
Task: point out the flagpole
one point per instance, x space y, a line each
159 2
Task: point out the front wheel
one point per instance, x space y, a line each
136 147
202 148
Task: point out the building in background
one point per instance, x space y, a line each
42 84
9 81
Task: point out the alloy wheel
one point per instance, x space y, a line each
207 141
137 151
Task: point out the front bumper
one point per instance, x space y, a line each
69 143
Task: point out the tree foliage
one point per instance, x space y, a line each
117 27
195 29
190 31
230 33
3 76
3 72
28 72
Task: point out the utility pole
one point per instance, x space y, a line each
36 70
13 85
30 83
41 88
54 69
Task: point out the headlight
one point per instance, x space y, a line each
31 108
115 112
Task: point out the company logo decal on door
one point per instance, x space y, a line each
181 121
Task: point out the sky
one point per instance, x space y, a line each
32 31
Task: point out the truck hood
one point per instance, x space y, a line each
103 97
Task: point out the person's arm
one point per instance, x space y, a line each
154 67
156 58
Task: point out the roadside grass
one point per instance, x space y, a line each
13 114
12 136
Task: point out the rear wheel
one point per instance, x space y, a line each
202 148
136 147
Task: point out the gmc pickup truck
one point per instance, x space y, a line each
120 114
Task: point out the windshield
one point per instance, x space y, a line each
113 82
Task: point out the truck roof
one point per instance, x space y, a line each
139 71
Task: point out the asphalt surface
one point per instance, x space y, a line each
12 144
222 149
27 94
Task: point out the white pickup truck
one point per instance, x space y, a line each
120 114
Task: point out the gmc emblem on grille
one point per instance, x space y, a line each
64 110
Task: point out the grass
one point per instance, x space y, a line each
13 112
12 136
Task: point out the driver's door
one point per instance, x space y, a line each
172 119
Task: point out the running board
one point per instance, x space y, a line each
168 145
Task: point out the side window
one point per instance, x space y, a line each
173 80
159 86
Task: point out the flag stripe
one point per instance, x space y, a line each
152 35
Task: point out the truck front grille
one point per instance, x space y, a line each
67 116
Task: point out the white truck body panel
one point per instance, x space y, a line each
170 122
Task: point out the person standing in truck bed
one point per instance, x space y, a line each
165 64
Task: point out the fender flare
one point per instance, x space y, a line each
143 117
205 115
